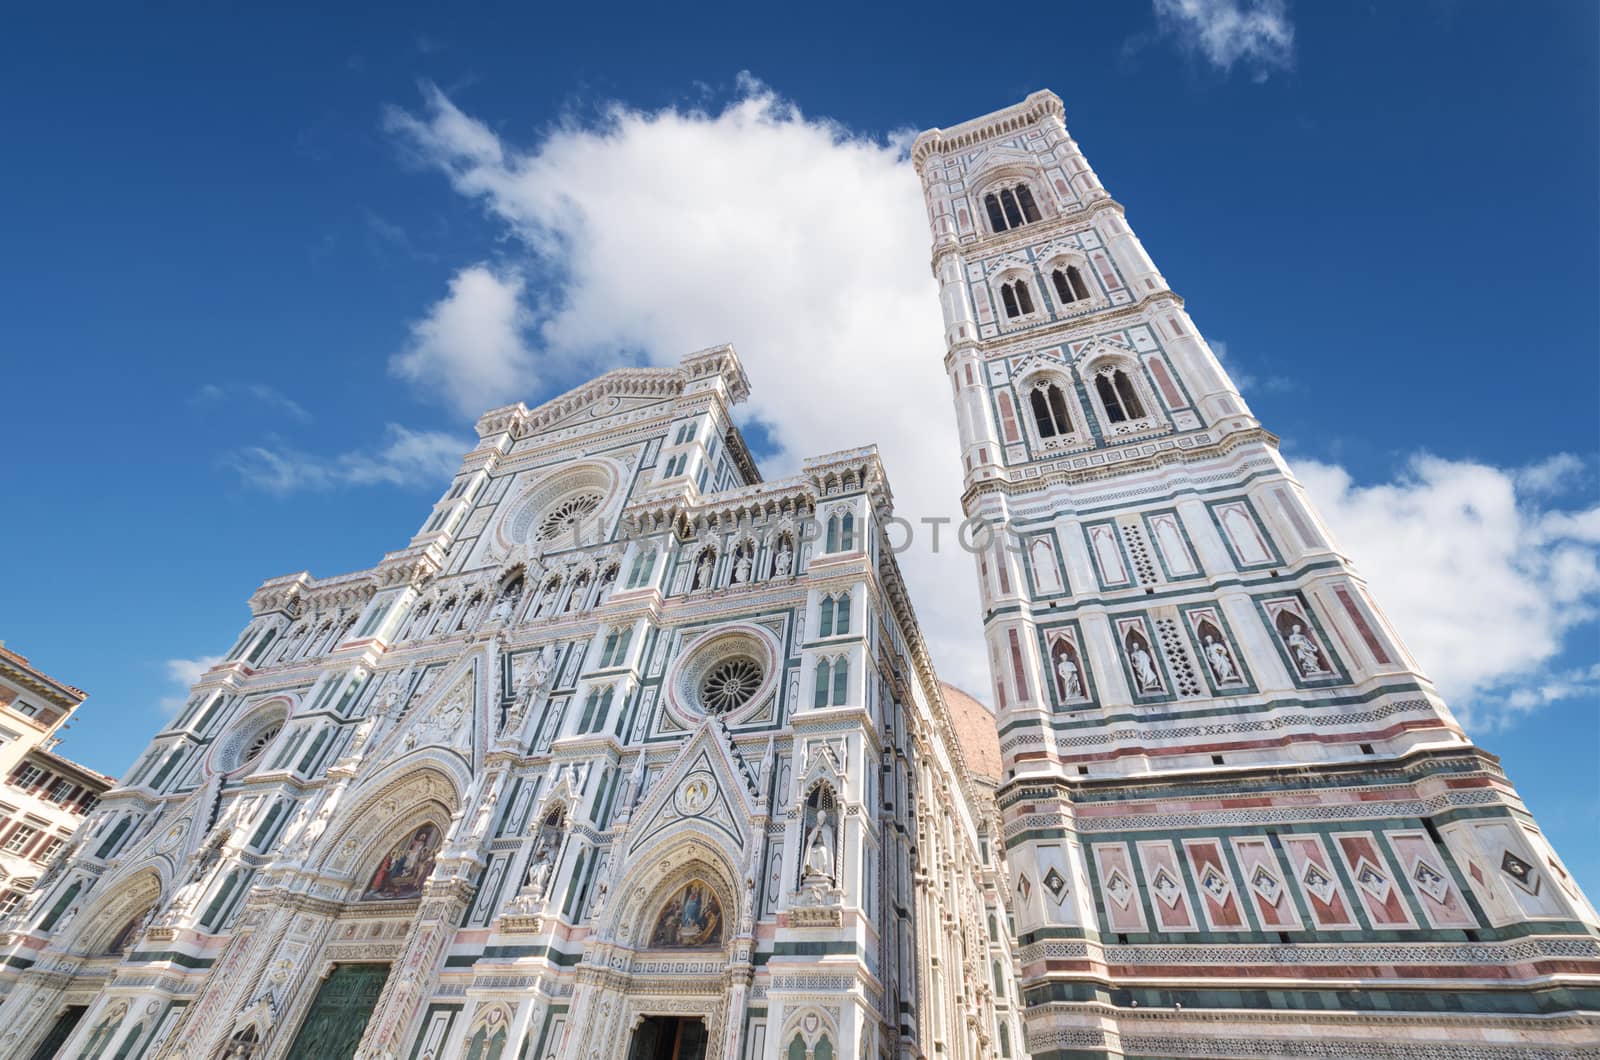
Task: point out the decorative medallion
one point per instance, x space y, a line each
1214 883
1056 884
694 794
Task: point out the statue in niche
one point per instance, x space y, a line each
608 581
783 563
742 568
1143 663
210 855
486 811
819 866
1307 656
1071 683
702 572
1220 661
507 602
363 733
537 877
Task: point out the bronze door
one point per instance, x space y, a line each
343 1005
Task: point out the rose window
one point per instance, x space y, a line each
729 685
259 744
567 516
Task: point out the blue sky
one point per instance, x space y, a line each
243 252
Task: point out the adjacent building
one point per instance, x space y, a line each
43 796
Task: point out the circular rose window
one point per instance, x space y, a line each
728 673
568 515
259 744
730 685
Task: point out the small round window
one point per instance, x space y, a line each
568 515
730 684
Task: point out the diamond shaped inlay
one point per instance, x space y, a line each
1372 880
1166 888
1317 882
1118 888
1521 873
1055 883
1266 885
1430 880
1215 884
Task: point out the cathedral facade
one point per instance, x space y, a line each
630 754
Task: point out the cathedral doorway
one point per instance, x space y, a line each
60 1031
669 1038
339 1013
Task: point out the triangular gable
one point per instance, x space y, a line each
701 786
599 410
450 715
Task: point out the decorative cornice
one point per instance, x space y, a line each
1038 106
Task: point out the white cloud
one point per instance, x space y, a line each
469 347
405 458
1246 381
803 244
185 672
1255 33
217 393
1551 475
1482 580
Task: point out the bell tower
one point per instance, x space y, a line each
1230 794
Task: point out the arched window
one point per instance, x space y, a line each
1069 284
1016 297
834 615
841 532
841 681
616 646
1117 395
643 563
1049 406
1010 206
824 675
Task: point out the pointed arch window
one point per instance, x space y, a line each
1118 396
1069 284
834 616
616 646
643 563
841 532
833 682
1049 407
1016 298
1010 206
